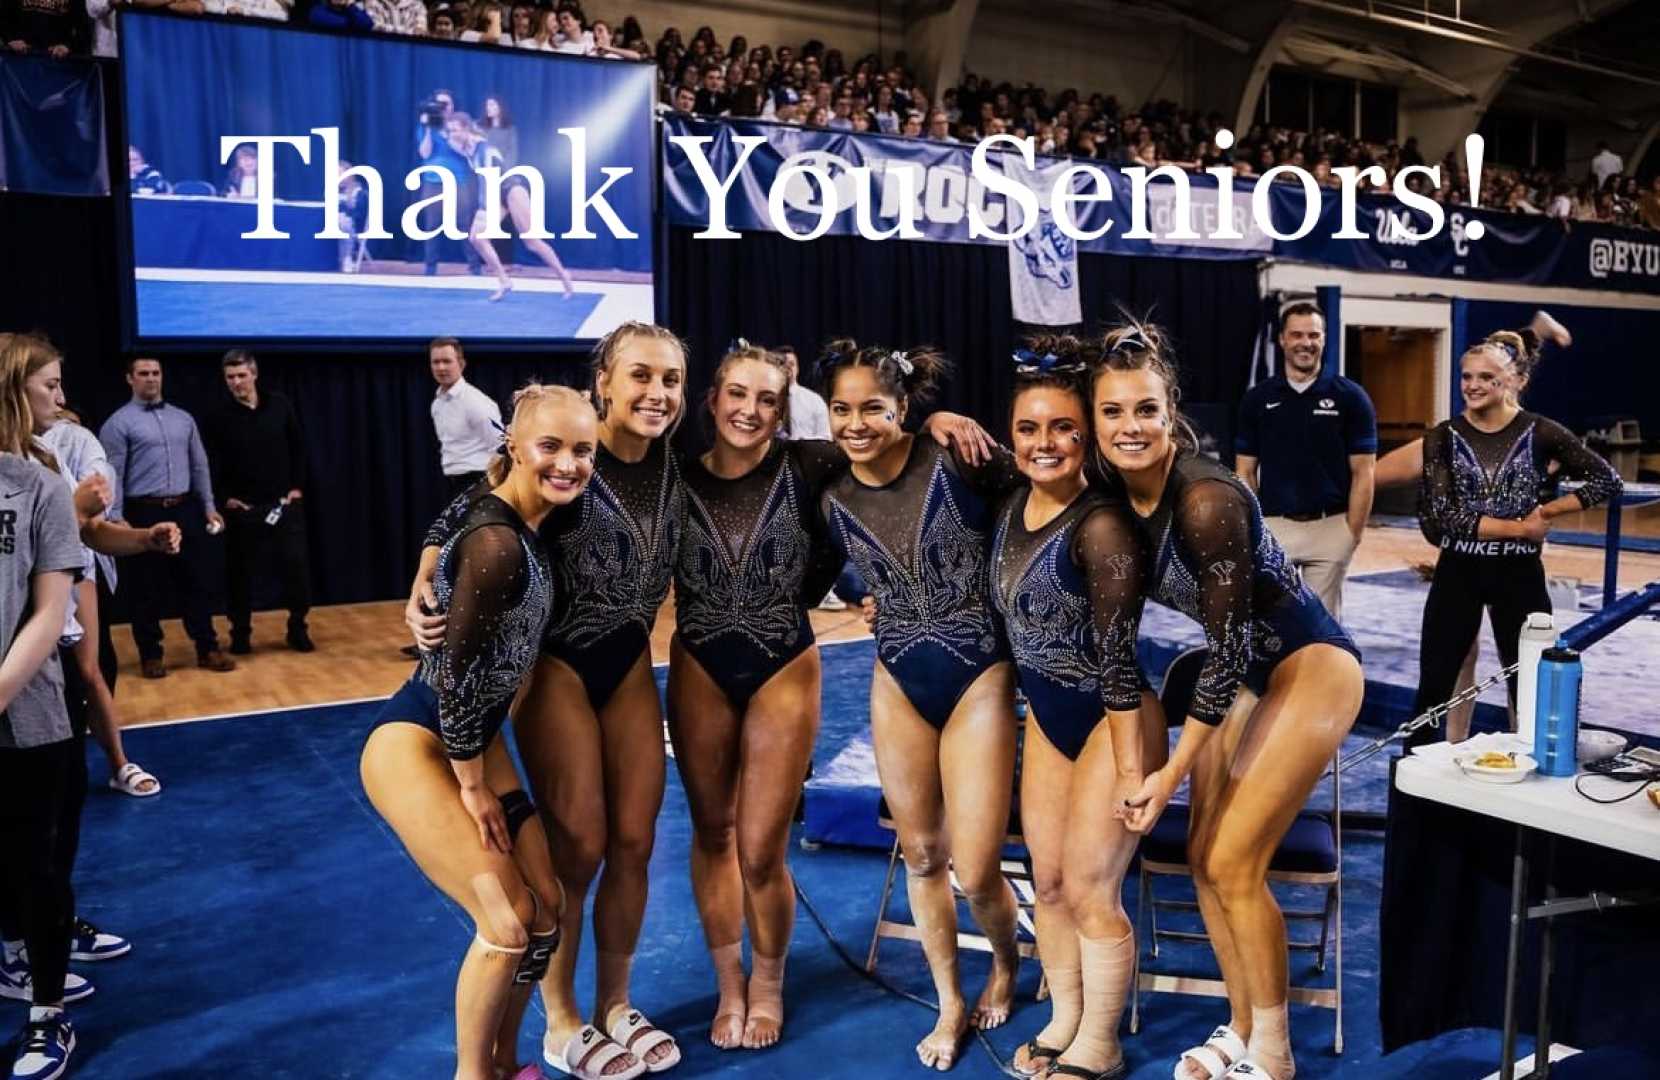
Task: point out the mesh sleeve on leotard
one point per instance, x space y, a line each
1107 547
489 578
1213 521
1579 462
1443 512
449 520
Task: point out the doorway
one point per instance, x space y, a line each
1396 365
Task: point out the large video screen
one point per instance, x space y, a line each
198 93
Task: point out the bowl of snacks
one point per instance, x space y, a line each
1494 767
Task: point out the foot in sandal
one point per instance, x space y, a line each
939 1049
1212 1060
590 1055
131 779
655 1048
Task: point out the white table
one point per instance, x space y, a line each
1551 806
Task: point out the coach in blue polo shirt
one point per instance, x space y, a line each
1308 444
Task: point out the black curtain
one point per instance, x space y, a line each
373 459
777 291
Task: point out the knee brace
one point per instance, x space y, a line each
518 809
543 944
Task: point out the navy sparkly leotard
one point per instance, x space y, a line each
921 543
495 582
614 550
1070 593
746 557
1215 562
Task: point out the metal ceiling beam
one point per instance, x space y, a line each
1375 56
1371 14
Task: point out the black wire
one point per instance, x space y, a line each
1641 780
870 976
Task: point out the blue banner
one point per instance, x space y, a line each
52 126
1514 248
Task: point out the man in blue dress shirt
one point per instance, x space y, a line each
1308 444
161 473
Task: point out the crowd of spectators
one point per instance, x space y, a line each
815 86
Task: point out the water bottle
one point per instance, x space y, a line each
1538 634
1556 730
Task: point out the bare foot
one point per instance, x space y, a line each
727 1030
1548 329
992 1010
765 1021
939 1049
501 290
1279 1066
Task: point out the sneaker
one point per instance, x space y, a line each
16 983
90 943
832 602
43 1053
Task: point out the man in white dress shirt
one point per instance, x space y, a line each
467 420
809 416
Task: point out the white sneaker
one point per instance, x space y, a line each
16 983
832 602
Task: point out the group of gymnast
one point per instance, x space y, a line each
989 567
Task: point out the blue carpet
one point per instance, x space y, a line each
280 931
232 309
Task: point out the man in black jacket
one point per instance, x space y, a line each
54 27
257 453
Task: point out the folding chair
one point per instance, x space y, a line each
1310 855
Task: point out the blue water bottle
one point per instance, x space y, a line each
1556 717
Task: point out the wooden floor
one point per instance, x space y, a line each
357 653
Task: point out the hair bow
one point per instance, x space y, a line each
899 360
738 343
1508 349
1027 362
502 431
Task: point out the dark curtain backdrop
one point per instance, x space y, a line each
373 459
776 291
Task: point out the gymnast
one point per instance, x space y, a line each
915 521
743 691
436 767
589 724
1482 501
1068 569
1279 690
470 142
1404 467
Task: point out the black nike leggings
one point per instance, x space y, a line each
1512 586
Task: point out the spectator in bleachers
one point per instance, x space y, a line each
712 98
605 43
347 15
939 126
1605 164
487 27
841 116
144 178
571 38
497 125
398 16
685 100
546 30
54 27
441 25
253 9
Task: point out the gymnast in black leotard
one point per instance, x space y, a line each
743 689
910 517
1068 571
743 692
1253 754
435 765
1481 504
590 723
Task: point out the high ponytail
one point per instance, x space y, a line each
1135 345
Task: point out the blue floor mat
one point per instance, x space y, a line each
280 931
228 309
